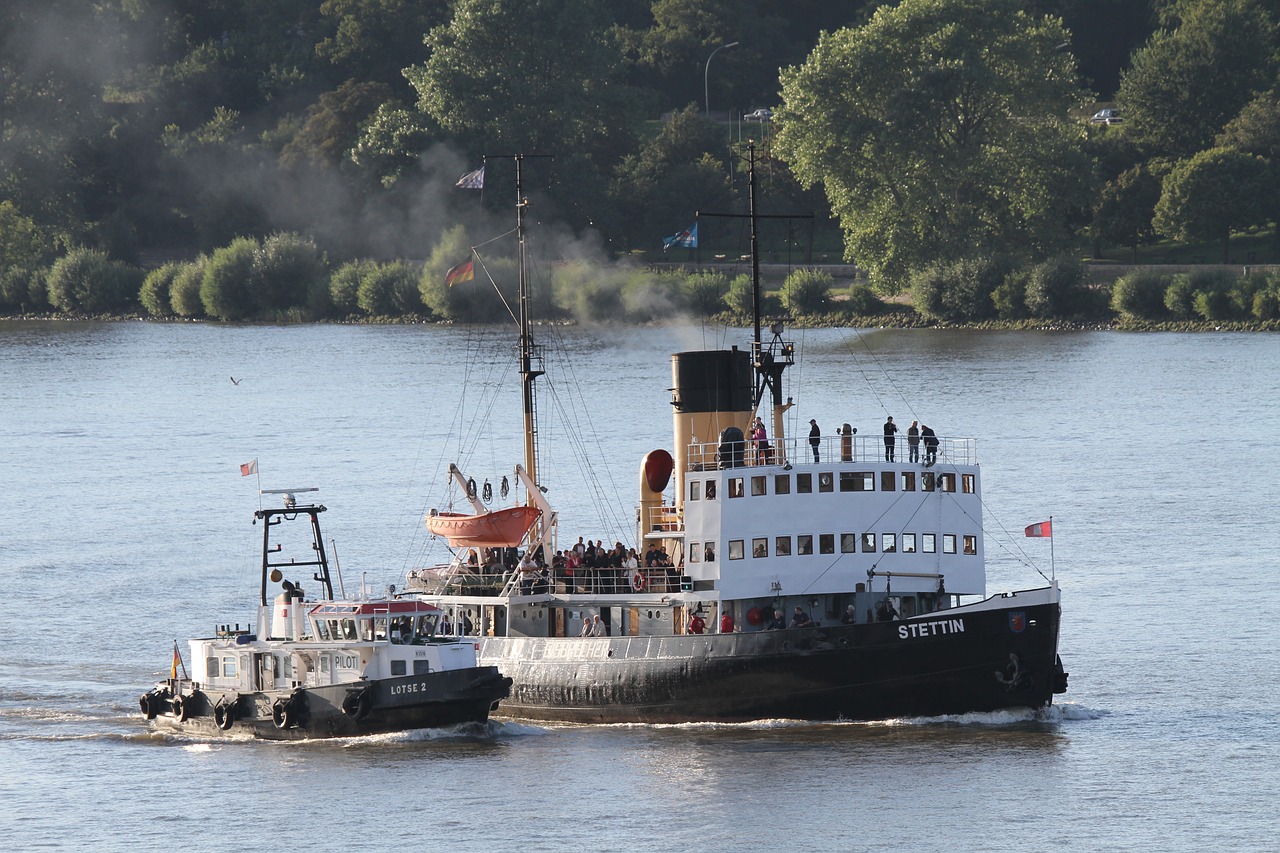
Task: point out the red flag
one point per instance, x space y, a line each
462 272
177 659
1040 529
249 468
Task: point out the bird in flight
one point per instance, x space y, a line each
235 381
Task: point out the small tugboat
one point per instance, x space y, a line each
326 667
845 573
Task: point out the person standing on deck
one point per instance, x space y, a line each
913 442
890 438
815 437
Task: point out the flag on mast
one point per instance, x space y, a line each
249 468
472 180
1040 530
177 659
464 271
688 238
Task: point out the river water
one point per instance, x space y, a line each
124 525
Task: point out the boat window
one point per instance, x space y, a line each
782 546
886 481
926 481
757 486
908 481
946 482
366 629
782 484
709 552
908 543
968 483
827 543
398 667
695 490
324 663
212 666
804 544
971 545
868 543
349 628
711 490
929 543
759 547
322 629
380 628
857 481
229 666
948 543
421 667
825 481
888 543
735 549
804 483
695 553
848 543
426 625
735 487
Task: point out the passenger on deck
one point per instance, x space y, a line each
777 623
760 439
815 437
799 619
726 622
696 623
913 442
890 438
586 627
885 611
597 626
850 616
930 445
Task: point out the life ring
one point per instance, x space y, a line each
224 714
754 616
149 703
182 707
638 582
358 704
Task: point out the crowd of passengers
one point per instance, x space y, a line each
587 567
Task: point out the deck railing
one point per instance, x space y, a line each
831 449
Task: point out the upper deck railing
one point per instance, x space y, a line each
831 449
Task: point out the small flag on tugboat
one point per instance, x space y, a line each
1041 529
462 272
249 468
177 659
688 238
472 180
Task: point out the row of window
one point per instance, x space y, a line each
849 544
849 481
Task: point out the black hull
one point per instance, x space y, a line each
433 700
950 662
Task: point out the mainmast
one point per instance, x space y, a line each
527 371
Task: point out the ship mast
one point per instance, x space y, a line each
528 373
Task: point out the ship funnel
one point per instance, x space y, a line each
713 391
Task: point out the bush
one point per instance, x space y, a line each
343 285
14 296
739 297
1010 296
1265 305
863 301
1057 288
806 292
960 291
22 243
156 298
1179 297
704 292
86 280
1243 291
1210 290
389 290
1141 294
589 294
184 290
1213 305
289 272
38 290
226 288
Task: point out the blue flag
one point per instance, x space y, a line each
688 238
472 180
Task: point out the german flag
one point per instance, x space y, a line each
462 272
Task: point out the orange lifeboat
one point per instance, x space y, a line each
502 528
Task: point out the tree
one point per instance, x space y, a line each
1185 84
1125 207
226 287
939 130
1256 130
1206 196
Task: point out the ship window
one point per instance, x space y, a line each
857 481
212 666
886 481
322 628
804 544
324 663
398 667
711 490
759 547
826 543
908 481
709 552
948 543
888 543
968 483
926 481
929 543
735 487
366 629
825 481
695 553
946 482
421 667
380 628
782 484
908 543
782 546
848 543
971 545
868 543
229 667
804 484
349 626
736 551
757 486
695 490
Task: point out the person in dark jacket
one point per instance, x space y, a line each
913 442
890 438
930 445
815 437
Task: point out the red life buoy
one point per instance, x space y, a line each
637 582
754 616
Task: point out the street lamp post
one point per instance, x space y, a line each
706 71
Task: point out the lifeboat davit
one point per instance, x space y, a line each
503 528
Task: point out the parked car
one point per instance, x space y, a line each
759 115
1107 116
